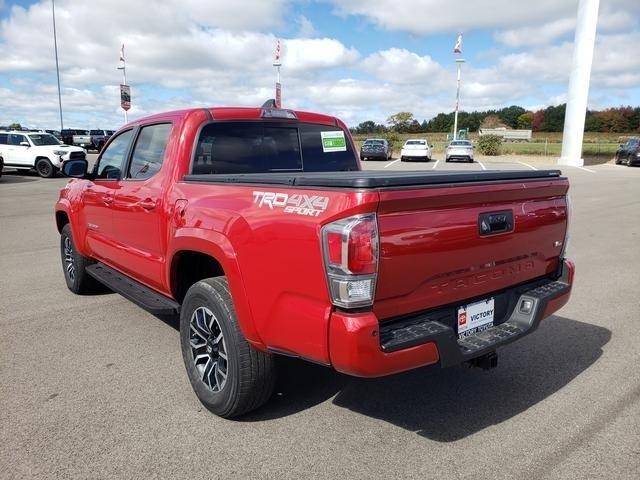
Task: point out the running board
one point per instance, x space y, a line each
133 290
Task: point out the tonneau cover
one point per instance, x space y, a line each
373 179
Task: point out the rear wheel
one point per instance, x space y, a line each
228 375
45 168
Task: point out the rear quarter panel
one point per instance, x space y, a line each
277 256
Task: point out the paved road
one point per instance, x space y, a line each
94 387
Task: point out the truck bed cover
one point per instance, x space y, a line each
373 179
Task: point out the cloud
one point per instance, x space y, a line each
306 28
397 65
423 17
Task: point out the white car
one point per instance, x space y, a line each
459 150
39 150
416 149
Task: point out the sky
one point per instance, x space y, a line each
356 59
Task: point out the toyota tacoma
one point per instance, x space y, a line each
259 229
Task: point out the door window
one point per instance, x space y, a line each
148 153
16 139
113 158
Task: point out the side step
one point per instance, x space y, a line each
133 290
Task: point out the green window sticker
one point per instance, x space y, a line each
333 141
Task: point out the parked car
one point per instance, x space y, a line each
99 138
629 153
376 148
82 138
459 150
42 151
56 134
257 226
1 165
416 149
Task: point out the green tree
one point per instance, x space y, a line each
554 118
510 115
15 126
525 121
400 121
489 144
592 122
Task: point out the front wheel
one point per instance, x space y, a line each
228 375
74 265
45 168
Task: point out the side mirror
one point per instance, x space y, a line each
75 168
24 144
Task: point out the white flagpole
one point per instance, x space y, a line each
459 61
55 46
124 79
277 63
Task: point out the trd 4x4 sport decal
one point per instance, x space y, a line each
311 205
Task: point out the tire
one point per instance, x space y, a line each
628 160
74 265
45 168
618 162
208 321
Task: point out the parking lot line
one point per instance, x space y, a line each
527 165
584 168
481 165
389 164
435 165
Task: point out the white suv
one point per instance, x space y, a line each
39 150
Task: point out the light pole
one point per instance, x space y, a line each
459 62
55 46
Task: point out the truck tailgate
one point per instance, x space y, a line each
433 252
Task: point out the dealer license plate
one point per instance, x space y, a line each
475 317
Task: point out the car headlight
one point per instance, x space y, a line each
59 152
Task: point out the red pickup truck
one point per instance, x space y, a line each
258 226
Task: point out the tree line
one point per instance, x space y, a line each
550 119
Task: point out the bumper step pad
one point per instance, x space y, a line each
404 334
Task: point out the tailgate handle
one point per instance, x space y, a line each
495 222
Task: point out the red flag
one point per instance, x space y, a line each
458 46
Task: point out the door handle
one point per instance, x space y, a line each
147 204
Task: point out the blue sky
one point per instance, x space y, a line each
358 59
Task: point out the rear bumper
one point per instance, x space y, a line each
360 346
382 155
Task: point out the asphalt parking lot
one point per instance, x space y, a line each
94 387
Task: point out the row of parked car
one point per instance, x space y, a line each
415 149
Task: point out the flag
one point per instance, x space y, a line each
122 53
276 59
458 47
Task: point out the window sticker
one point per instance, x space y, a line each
333 141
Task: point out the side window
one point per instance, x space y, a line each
4 139
16 139
112 160
148 152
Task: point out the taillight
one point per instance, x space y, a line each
565 243
350 249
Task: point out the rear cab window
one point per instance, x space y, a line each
262 147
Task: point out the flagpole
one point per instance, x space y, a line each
124 78
459 62
277 63
55 46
